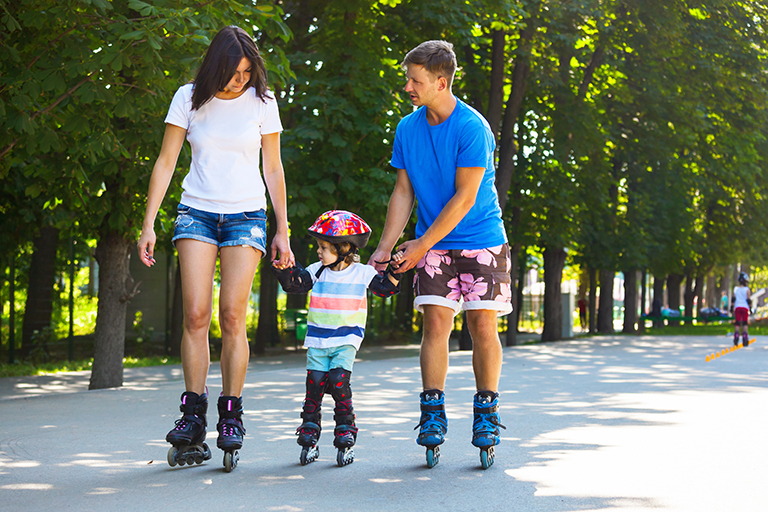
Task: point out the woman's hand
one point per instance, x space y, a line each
146 246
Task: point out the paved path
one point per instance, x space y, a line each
603 424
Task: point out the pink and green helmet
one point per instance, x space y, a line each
336 226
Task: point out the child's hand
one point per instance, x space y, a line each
396 258
277 265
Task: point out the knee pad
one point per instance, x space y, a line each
317 383
338 384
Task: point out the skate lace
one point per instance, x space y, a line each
432 422
181 424
229 429
487 424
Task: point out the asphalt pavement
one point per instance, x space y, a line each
601 424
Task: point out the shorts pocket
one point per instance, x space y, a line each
256 215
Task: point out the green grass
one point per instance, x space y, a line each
22 369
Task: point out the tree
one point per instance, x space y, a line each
91 81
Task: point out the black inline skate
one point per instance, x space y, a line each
433 423
187 438
309 430
345 433
485 428
231 431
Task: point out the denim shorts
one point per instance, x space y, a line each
326 359
222 229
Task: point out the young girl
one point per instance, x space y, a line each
335 324
230 118
741 303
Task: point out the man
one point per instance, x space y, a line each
443 153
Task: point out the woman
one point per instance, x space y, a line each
229 116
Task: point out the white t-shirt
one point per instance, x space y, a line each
225 136
338 306
740 292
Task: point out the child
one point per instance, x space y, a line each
335 324
741 303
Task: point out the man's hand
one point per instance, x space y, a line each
409 254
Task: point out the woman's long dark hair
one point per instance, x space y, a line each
220 64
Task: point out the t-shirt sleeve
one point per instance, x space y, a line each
178 112
312 269
368 274
397 160
475 146
271 122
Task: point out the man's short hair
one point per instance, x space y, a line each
437 57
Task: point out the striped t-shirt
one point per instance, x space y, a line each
338 306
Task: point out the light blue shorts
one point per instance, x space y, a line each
326 359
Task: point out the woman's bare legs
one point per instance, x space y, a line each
197 261
238 266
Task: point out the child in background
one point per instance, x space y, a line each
741 304
335 324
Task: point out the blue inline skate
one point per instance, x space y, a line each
231 431
485 428
433 423
187 438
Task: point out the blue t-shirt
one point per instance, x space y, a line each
430 156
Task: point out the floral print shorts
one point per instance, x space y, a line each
464 279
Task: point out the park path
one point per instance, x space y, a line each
605 423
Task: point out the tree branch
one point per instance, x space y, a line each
589 73
47 109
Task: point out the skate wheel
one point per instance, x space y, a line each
433 456
172 456
308 454
230 460
345 456
486 457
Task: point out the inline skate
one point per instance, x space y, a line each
345 433
485 427
231 431
433 423
187 438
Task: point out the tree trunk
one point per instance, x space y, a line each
592 300
673 294
177 314
39 305
404 304
267 331
697 290
301 252
643 300
507 145
554 261
512 318
688 295
496 93
658 299
605 311
630 301
113 253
